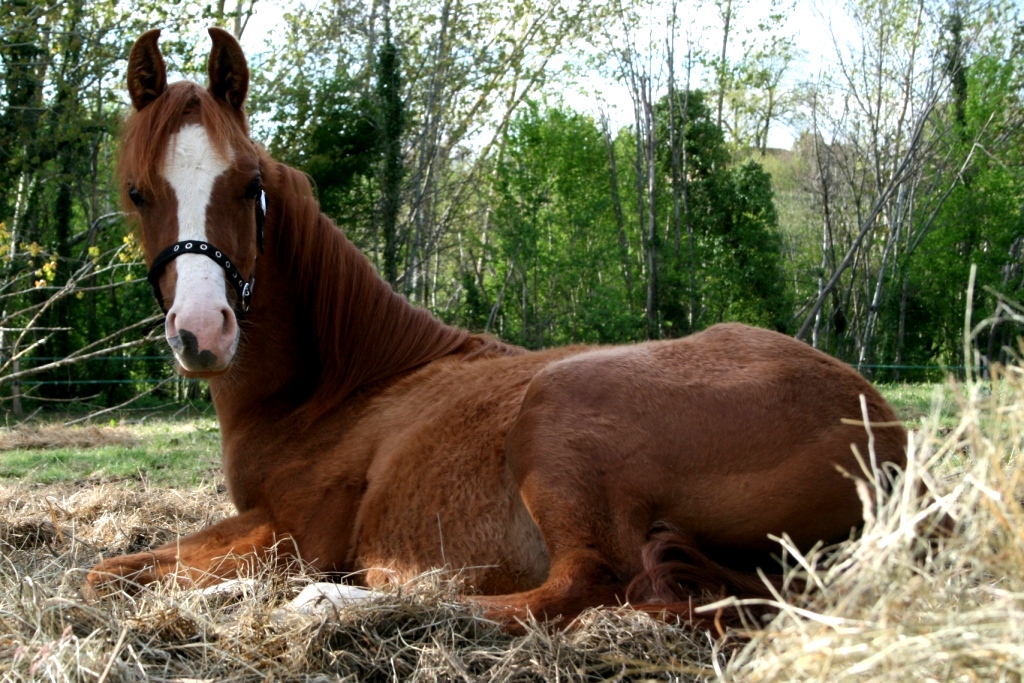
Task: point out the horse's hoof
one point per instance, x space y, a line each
515 620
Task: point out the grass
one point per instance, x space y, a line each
896 604
166 452
916 404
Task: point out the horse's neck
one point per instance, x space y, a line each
323 324
272 362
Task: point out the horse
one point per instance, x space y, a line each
372 441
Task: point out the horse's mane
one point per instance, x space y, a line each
364 331
147 133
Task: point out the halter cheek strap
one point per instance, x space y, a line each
242 287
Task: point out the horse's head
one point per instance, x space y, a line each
192 176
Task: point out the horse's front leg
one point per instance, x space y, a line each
216 553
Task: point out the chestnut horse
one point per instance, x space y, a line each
378 442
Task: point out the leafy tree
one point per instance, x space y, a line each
69 281
981 222
327 130
737 257
557 277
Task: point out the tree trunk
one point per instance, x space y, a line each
620 222
653 331
391 124
722 65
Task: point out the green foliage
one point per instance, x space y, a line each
420 127
981 223
560 274
557 276
736 267
67 277
324 128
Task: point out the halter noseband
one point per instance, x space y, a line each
242 287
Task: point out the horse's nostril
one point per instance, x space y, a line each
190 344
206 359
188 350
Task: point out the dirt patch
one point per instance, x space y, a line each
56 436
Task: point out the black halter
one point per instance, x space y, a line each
242 287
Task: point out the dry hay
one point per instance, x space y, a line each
892 605
29 436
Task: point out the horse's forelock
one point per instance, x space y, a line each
147 134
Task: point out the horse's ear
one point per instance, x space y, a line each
147 75
229 74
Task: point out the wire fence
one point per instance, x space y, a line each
126 361
910 373
99 381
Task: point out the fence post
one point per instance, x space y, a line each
16 387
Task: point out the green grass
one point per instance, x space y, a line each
916 403
175 453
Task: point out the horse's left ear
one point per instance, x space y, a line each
229 73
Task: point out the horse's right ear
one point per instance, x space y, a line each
147 75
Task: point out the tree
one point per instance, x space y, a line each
737 249
879 107
390 120
980 222
556 257
460 72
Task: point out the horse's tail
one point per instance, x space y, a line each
678 577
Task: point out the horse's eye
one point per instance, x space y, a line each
252 190
136 196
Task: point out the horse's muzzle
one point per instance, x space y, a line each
208 344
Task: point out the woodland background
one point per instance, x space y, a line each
445 139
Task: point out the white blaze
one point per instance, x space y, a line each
191 169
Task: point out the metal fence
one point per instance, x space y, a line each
110 379
876 371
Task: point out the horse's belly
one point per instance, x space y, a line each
442 506
491 552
